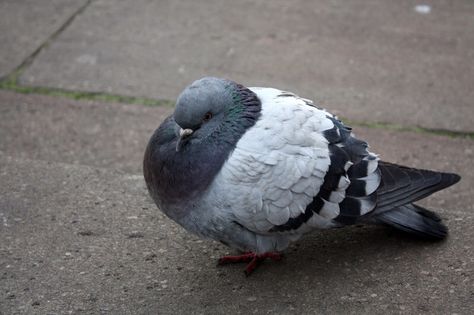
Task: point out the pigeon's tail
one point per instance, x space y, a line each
400 187
415 220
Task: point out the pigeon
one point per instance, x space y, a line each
257 168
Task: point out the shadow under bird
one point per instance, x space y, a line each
256 168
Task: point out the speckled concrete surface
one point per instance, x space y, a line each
25 25
371 60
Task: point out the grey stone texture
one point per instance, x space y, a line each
367 60
25 25
43 128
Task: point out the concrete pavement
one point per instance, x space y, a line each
26 25
78 232
371 60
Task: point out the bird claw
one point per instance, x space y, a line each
252 259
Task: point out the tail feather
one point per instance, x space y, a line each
400 187
403 185
415 220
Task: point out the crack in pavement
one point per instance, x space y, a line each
15 74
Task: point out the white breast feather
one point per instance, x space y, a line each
278 165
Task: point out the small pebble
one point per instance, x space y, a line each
423 9
136 234
85 233
150 256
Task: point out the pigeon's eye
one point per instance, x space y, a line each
207 117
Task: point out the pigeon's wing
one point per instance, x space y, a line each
288 173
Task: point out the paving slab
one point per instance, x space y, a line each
368 60
86 238
26 25
83 240
58 129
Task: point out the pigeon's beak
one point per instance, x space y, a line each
183 134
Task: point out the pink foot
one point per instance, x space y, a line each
252 259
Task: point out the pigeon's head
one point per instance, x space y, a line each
203 106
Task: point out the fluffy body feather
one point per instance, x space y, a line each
293 169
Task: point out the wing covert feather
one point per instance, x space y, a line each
279 164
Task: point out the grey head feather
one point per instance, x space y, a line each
207 95
179 177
